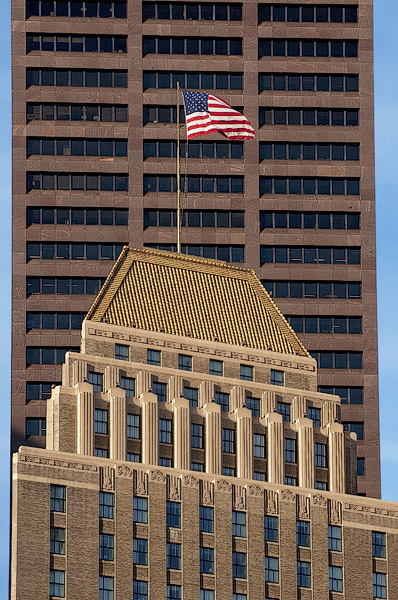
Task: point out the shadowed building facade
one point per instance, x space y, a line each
94 169
189 455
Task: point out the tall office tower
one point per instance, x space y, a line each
189 455
94 168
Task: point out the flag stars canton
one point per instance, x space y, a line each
195 102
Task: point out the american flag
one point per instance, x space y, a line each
206 114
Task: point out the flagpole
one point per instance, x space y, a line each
178 173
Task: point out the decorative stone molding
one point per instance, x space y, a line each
239 497
173 487
319 500
191 481
223 486
370 510
124 471
303 507
58 463
107 479
255 490
335 511
271 502
140 483
206 492
288 496
157 476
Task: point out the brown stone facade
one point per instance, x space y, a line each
251 236
83 479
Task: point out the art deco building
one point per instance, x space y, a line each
190 456
94 169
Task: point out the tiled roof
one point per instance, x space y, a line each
195 297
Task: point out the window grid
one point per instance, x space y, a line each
106 588
303 574
128 384
165 431
309 220
35 426
216 367
379 585
57 540
335 579
57 583
97 381
47 356
168 149
153 357
316 48
140 551
75 43
315 415
239 565
348 395
198 12
76 78
277 377
70 8
140 509
36 390
238 524
76 112
310 255
271 569
320 455
326 325
133 426
271 528
314 289
303 536
122 352
101 421
247 373
63 285
107 505
307 14
160 390
54 320
140 590
184 362
76 147
192 46
195 184
338 360
173 556
57 498
307 82
192 81
197 435
207 560
283 409
173 592
191 394
133 457
77 181
106 546
173 514
290 450
206 519
335 538
223 400
225 253
308 151
324 186
194 218
339 117
259 445
228 440
378 544
253 404
44 251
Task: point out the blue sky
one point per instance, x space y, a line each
386 82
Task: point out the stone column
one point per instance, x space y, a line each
213 438
112 377
79 372
306 458
149 428
85 419
143 382
175 388
182 433
206 393
298 408
268 403
237 398
275 449
117 423
244 443
329 412
336 458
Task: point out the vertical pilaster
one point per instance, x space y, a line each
237 398
150 429
85 419
175 387
275 449
79 372
306 459
117 424
206 393
336 458
182 434
143 382
213 438
112 377
268 403
244 443
298 408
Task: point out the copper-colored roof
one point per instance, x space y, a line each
196 297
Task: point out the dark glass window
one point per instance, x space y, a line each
173 514
271 529
140 509
303 537
335 538
206 519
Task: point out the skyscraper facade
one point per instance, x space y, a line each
94 168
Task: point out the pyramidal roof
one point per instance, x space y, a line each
190 296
